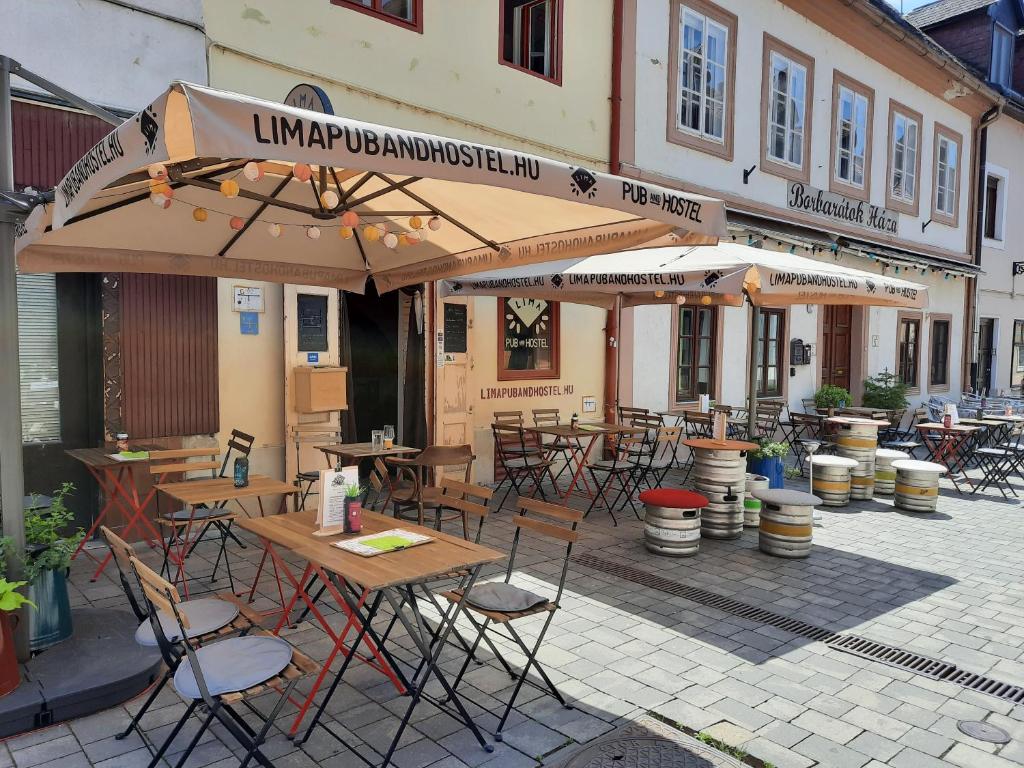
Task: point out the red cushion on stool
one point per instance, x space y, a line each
673 498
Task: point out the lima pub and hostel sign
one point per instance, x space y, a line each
841 209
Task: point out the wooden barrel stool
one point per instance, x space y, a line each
672 521
831 478
752 504
787 522
885 474
917 484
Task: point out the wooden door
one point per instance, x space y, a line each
837 322
454 361
986 354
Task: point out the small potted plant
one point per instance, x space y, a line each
10 601
885 392
767 460
353 508
48 552
830 397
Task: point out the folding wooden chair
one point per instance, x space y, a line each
561 448
221 675
304 434
623 468
548 521
417 493
518 464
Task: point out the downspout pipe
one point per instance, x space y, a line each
612 342
979 231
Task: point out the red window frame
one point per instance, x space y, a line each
520 374
376 10
555 42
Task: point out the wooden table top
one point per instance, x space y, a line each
708 444
443 555
100 458
986 422
931 426
1003 418
363 450
216 489
592 429
856 420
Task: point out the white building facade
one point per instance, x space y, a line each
827 136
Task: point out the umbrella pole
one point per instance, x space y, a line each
755 314
12 477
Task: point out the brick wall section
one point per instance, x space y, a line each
969 38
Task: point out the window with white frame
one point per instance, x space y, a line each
851 139
905 136
703 55
1002 56
994 202
787 108
947 168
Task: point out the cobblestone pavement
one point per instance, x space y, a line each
947 585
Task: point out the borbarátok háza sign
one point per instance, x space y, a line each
841 209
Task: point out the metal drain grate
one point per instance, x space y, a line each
852 644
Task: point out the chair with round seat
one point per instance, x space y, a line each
917 484
831 478
885 474
672 521
787 522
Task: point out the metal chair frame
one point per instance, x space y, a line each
518 465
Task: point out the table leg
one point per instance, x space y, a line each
121 481
580 466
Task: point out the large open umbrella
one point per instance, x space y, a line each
207 182
722 274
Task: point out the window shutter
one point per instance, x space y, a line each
37 346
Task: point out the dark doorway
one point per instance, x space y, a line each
836 328
986 353
373 334
79 395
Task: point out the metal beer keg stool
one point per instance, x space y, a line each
787 522
720 474
752 504
857 439
830 478
672 521
917 484
885 473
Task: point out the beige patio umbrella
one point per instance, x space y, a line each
710 275
206 182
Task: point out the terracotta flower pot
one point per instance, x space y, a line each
10 671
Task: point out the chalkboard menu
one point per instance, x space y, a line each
456 321
312 320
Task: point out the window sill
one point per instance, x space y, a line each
788 172
553 79
840 187
701 143
999 245
416 25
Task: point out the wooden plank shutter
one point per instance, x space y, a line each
169 355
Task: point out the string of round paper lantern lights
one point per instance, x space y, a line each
161 194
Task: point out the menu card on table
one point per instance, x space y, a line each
385 541
330 514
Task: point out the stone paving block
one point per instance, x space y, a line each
915 715
928 742
45 751
837 730
693 717
829 753
784 734
780 709
969 757
873 745
740 714
729 733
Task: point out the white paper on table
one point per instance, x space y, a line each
332 488
705 403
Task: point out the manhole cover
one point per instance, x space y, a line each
649 743
977 729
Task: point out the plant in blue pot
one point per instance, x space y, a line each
50 541
767 460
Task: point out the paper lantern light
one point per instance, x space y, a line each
350 219
160 201
371 233
680 300
157 171
659 294
413 238
236 223
313 233
434 223
705 300
253 171
200 214
274 230
415 222
329 199
158 187
345 232
302 172
229 188
391 240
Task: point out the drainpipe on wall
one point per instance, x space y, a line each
979 230
611 326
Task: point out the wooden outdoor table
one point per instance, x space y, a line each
358 585
993 430
708 444
856 420
212 492
579 437
948 447
354 452
116 478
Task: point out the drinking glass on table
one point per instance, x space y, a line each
377 439
389 437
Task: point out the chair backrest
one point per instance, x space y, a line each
809 404
514 418
549 521
177 461
239 442
122 552
435 457
304 434
508 437
626 412
546 417
471 500
161 597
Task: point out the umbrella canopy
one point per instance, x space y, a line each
207 182
719 274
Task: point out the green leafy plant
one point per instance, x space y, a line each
47 548
10 598
831 396
353 491
886 391
791 473
768 449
